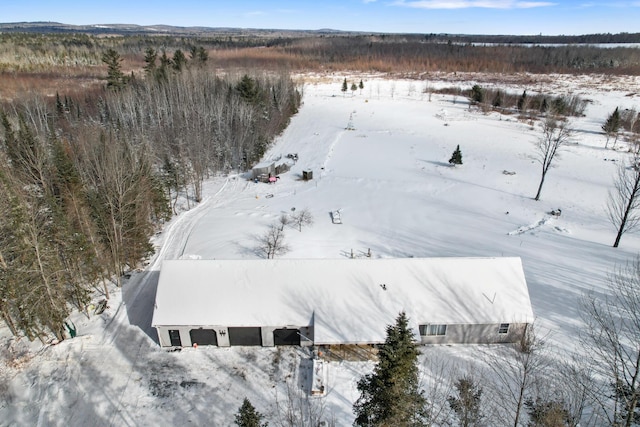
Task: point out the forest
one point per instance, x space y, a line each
88 179
100 135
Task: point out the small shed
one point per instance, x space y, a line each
307 175
282 167
263 168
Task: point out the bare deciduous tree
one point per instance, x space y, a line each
575 385
271 243
612 341
555 134
283 221
624 200
297 408
302 218
517 375
437 385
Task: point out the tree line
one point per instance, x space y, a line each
86 180
398 53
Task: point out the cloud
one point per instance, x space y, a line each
464 4
368 1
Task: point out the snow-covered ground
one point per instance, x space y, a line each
398 197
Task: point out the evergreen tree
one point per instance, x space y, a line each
150 57
248 89
361 86
522 101
115 78
612 126
344 86
497 100
390 395
59 105
544 106
247 416
353 87
456 157
466 405
165 64
559 106
179 60
477 94
198 55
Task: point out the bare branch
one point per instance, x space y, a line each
624 200
271 243
555 134
302 218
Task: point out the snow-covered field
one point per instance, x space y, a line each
398 197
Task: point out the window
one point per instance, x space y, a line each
433 330
504 328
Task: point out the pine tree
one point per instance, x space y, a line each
361 86
165 64
612 126
59 105
477 94
150 57
544 106
466 405
247 416
344 86
115 77
456 157
198 55
179 60
522 101
390 395
353 88
248 89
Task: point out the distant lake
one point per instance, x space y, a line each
600 45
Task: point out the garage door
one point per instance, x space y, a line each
286 337
245 336
203 337
174 336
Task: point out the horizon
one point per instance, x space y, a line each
480 17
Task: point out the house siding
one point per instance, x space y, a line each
477 334
222 335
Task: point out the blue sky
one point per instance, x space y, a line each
550 17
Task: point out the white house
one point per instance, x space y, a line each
340 301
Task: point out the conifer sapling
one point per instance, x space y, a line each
456 157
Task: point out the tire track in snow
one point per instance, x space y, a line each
175 238
330 153
545 220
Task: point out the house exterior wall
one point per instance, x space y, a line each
455 334
267 335
222 335
165 340
476 334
